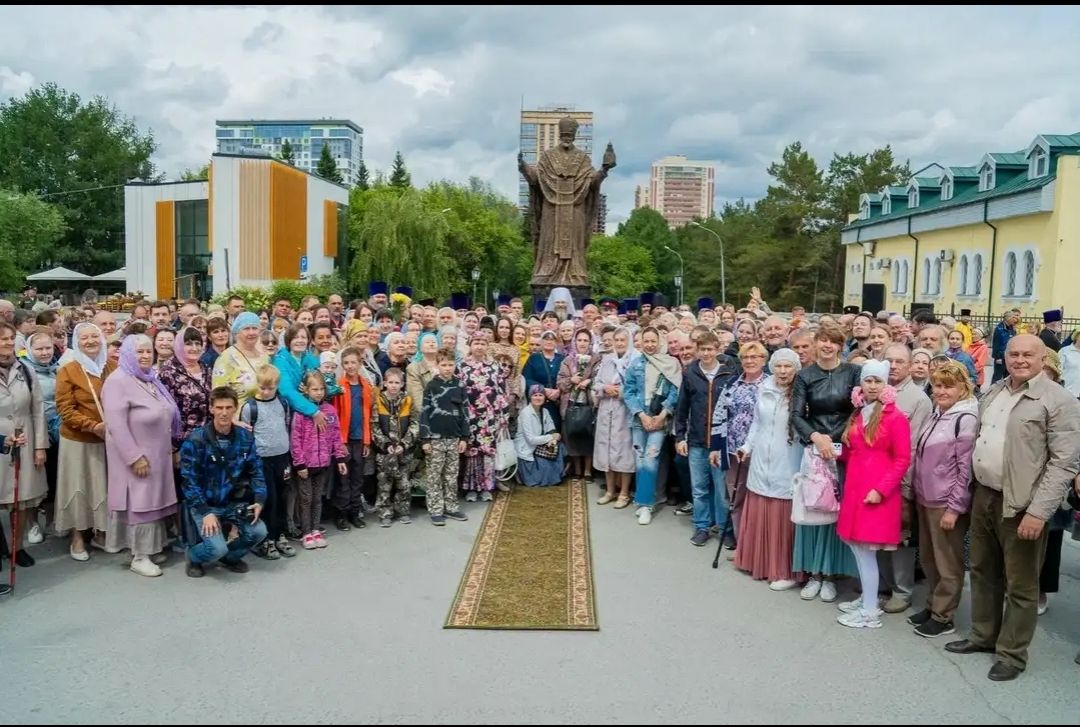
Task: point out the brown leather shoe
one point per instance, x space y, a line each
964 646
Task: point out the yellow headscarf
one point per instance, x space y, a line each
353 327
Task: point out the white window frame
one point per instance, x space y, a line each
1009 270
905 278
978 276
986 177
1039 157
963 270
1030 268
864 210
886 204
937 276
927 279
946 188
913 198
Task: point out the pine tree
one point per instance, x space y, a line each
327 168
362 177
287 154
399 175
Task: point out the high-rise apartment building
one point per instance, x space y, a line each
679 189
306 136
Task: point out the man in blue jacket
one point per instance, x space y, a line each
1004 330
223 482
696 430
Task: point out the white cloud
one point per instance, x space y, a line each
444 84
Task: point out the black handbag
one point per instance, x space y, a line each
580 419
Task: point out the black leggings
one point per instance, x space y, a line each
277 488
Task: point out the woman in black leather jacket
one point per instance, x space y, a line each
820 407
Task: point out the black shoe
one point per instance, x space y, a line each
729 543
457 515
918 619
686 509
321 529
195 570
1077 659
438 520
294 534
700 537
6 589
932 629
963 646
343 525
357 521
23 559
1002 672
237 566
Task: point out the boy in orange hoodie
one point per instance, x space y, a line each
353 405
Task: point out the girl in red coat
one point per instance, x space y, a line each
877 450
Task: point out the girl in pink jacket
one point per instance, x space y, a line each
313 452
877 450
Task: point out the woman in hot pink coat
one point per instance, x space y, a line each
877 451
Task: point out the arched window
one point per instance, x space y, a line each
927 277
978 275
1010 274
896 277
937 277
1029 272
904 277
913 198
963 275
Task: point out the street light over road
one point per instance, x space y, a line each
723 277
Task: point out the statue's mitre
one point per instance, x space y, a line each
567 125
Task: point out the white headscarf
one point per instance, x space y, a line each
93 366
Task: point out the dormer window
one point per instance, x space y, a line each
913 198
946 188
986 178
1038 163
864 210
886 204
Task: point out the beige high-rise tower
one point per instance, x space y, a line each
679 189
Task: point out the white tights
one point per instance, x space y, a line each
866 559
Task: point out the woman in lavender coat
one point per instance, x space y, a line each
141 420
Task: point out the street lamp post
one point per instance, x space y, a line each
723 277
475 280
682 273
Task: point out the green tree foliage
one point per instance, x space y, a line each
196 175
258 298
399 175
362 181
618 267
64 149
29 228
647 228
788 242
288 156
326 167
431 239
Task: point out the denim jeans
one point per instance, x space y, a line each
215 548
647 446
710 491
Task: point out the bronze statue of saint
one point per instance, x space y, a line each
564 193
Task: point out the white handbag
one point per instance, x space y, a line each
505 452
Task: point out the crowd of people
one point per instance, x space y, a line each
816 449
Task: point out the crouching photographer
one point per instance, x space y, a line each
223 485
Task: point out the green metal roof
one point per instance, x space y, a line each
928 182
1019 183
1071 141
873 198
895 191
964 172
1009 159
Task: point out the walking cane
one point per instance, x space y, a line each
727 521
16 536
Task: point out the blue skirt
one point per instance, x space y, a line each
818 549
542 472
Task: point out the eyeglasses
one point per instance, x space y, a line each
752 355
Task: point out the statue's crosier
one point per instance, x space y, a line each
564 193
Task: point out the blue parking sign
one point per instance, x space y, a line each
303 265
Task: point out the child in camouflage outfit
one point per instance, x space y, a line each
394 429
444 431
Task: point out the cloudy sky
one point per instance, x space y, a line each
445 84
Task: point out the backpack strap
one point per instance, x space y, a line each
960 419
252 402
27 374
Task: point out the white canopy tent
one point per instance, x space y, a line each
116 276
59 274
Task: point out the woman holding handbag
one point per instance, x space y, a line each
539 446
579 423
650 394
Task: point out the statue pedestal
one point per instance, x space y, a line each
577 292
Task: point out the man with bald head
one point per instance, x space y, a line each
802 343
1024 462
106 321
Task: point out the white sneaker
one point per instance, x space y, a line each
860 619
783 585
144 567
810 590
470 496
485 496
828 591
35 535
850 606
644 515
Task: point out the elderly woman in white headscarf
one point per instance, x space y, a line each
81 482
613 447
766 533
561 302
